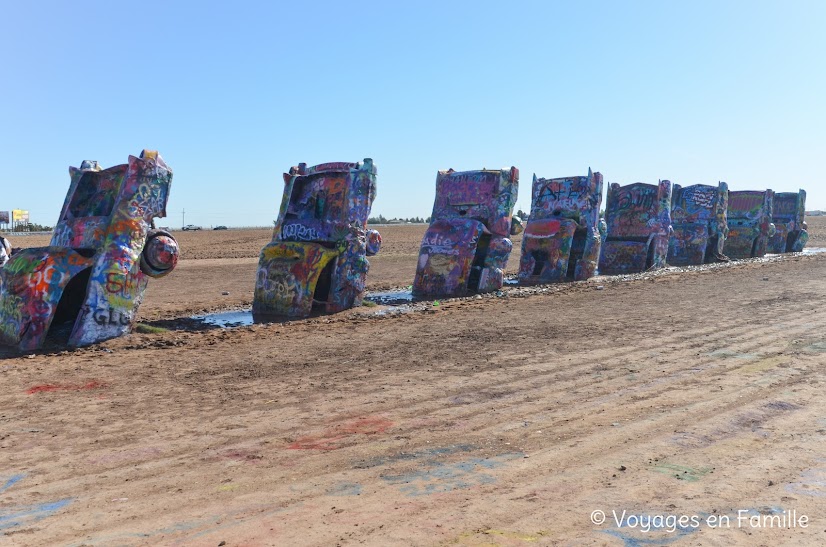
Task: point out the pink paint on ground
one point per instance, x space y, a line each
94 384
329 440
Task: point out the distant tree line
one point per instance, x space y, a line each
32 227
381 219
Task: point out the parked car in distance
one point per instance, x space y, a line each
220 228
190 227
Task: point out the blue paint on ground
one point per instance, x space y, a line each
12 481
27 515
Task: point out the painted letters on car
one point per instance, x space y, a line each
749 223
466 247
318 254
788 214
638 218
700 222
562 239
91 278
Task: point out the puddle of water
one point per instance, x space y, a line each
401 300
392 310
227 319
390 298
730 354
396 301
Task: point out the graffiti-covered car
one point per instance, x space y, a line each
562 239
5 250
638 219
91 278
318 254
749 223
700 222
466 247
788 213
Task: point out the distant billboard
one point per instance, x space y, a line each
19 215
4 217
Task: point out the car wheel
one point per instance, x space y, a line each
160 253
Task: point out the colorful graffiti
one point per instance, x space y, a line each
749 223
562 238
700 224
466 247
5 251
318 255
788 213
92 276
638 219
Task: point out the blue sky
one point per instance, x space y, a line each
234 94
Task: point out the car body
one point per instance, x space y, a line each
700 224
638 220
466 246
191 228
562 239
220 228
749 223
5 251
788 214
318 254
91 278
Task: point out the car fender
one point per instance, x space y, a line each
31 285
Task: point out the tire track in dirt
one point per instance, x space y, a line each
210 420
564 418
518 382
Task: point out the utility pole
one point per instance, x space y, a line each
183 218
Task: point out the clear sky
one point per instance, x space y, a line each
233 94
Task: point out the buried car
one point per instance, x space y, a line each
788 213
700 222
562 238
466 247
638 219
318 255
5 250
91 278
749 223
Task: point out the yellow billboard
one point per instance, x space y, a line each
19 215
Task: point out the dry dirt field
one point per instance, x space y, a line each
501 420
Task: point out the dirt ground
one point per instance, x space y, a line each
509 419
